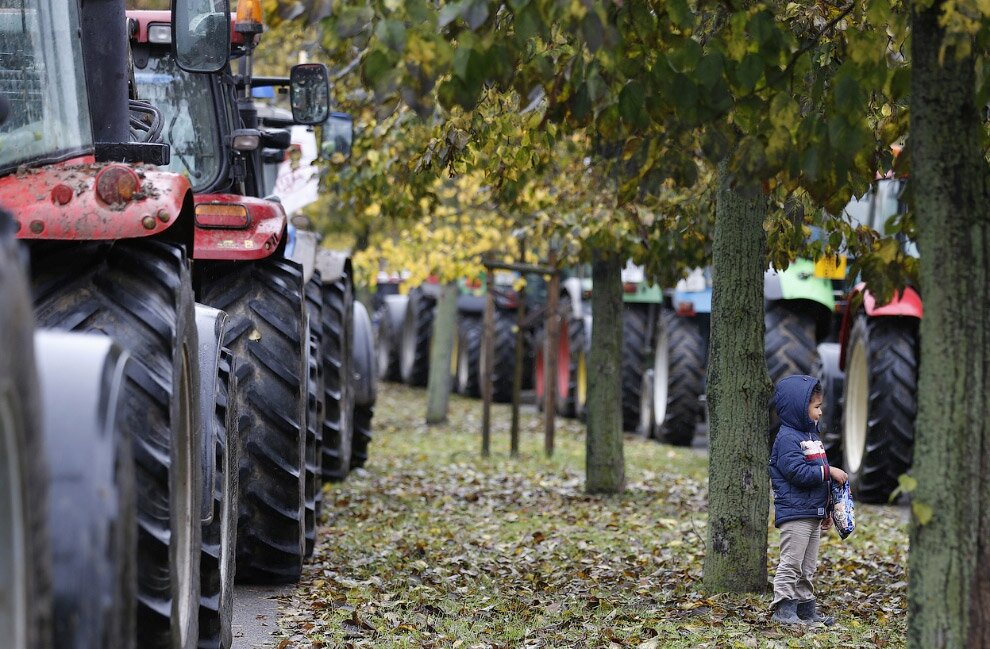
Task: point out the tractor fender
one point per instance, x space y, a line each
906 303
65 201
91 504
471 304
798 282
211 326
304 252
253 229
333 264
363 366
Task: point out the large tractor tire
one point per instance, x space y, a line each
879 405
678 378
469 334
315 412
789 345
789 342
388 337
833 382
139 293
504 360
417 330
216 606
92 501
365 384
268 337
634 341
338 393
25 561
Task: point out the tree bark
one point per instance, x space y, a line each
949 593
441 351
738 393
605 464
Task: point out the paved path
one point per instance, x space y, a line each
256 615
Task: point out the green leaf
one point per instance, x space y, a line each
632 103
527 24
922 512
475 13
393 34
351 21
709 69
376 65
685 58
749 71
680 13
448 14
592 32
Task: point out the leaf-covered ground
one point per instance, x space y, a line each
433 546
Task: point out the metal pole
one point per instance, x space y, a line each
487 352
550 359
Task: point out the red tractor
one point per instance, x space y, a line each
278 334
870 431
108 235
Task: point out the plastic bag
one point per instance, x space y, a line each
843 510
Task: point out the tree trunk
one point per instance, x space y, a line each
949 593
605 465
738 393
441 351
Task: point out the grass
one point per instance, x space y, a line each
433 546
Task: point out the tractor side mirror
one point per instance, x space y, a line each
276 138
201 34
309 93
336 137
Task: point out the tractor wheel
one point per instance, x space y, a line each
268 337
388 336
634 341
139 292
469 334
790 341
827 372
678 378
505 357
25 563
646 424
790 347
365 384
880 403
417 329
338 392
315 399
216 605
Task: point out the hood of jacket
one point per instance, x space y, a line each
791 398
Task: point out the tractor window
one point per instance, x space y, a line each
42 81
190 123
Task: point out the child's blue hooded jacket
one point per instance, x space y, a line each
799 470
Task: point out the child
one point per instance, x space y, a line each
800 475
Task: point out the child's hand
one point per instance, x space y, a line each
838 474
826 523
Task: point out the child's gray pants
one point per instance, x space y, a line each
798 559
